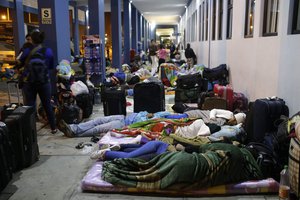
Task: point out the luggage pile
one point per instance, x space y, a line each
18 137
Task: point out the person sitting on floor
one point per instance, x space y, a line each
104 124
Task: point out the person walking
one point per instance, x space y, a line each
37 61
153 56
162 55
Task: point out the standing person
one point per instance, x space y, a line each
162 55
153 56
37 61
172 50
190 55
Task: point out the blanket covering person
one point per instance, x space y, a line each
214 164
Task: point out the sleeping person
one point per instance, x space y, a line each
210 165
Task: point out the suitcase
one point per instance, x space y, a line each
114 101
149 97
266 112
85 102
22 130
6 155
29 131
294 169
225 92
14 125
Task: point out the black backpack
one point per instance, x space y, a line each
266 159
37 67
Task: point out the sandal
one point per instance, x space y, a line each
94 139
80 145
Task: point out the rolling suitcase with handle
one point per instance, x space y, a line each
149 97
114 101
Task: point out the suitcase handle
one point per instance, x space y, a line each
16 82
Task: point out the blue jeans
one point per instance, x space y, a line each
98 125
146 152
44 91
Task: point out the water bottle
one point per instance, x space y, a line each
284 187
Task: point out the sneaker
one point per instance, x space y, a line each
115 147
99 154
65 128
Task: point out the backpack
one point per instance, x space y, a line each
37 67
266 159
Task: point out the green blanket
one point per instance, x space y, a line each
215 164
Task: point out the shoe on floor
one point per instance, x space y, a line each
99 154
65 128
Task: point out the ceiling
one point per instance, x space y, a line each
163 12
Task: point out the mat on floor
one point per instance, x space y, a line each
93 182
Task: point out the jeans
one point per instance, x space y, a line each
44 91
146 152
98 125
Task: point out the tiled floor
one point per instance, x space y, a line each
61 167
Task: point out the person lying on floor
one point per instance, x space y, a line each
210 165
104 124
145 151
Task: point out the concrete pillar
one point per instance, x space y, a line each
54 21
18 25
134 28
76 38
116 30
139 30
127 30
97 27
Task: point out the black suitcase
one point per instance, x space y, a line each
14 125
265 113
6 154
22 130
114 101
29 131
149 97
85 102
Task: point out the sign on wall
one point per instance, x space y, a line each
46 16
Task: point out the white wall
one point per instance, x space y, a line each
259 66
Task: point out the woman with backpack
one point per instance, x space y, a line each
37 61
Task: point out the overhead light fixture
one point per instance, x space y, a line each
185 7
142 14
130 1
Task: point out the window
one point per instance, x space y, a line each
220 19
200 23
206 20
296 17
249 18
203 20
270 17
214 18
229 19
